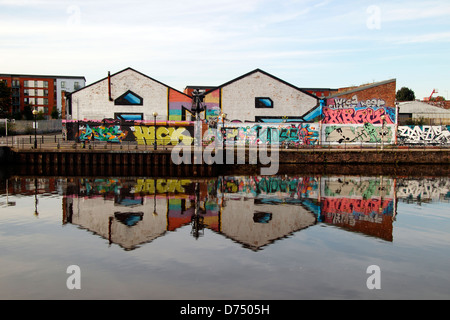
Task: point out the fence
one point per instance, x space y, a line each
20 127
57 142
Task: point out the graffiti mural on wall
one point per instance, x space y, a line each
428 189
102 133
180 106
367 133
284 134
295 186
165 133
424 134
353 111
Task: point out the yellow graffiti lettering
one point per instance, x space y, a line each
144 135
162 186
164 136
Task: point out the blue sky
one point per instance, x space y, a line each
321 43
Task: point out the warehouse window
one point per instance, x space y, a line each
129 98
263 103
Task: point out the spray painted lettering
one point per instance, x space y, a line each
102 133
424 135
358 134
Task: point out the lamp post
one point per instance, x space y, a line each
35 112
382 131
224 134
155 114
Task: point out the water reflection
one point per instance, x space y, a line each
253 211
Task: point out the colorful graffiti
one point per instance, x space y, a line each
352 111
165 133
285 134
367 133
296 187
357 207
180 105
102 133
365 188
423 134
146 135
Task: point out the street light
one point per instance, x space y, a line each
382 131
155 114
223 115
35 112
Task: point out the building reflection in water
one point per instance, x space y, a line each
253 211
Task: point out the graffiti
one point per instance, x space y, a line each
180 106
357 187
164 135
353 111
162 186
424 134
284 134
102 133
357 207
135 131
354 103
357 134
423 189
296 187
358 115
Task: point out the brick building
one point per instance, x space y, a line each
43 92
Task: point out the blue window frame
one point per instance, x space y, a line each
129 98
263 102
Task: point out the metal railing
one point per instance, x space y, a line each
56 142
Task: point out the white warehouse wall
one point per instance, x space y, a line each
238 98
92 102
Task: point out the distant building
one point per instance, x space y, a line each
43 92
416 112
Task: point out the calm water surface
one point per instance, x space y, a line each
232 237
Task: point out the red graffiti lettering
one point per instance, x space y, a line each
349 116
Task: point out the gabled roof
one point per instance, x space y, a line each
126 69
267 74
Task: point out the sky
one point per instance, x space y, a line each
310 44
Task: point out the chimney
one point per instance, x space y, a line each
109 86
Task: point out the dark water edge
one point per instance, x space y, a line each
424 170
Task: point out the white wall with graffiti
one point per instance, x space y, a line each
435 135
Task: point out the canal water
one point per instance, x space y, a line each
285 237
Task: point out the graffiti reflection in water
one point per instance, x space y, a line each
254 211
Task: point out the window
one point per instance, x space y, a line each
25 92
36 83
46 93
129 116
45 84
76 85
45 101
263 103
129 98
25 83
63 84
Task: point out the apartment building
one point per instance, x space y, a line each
43 92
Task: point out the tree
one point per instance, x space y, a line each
55 113
405 94
28 112
5 99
